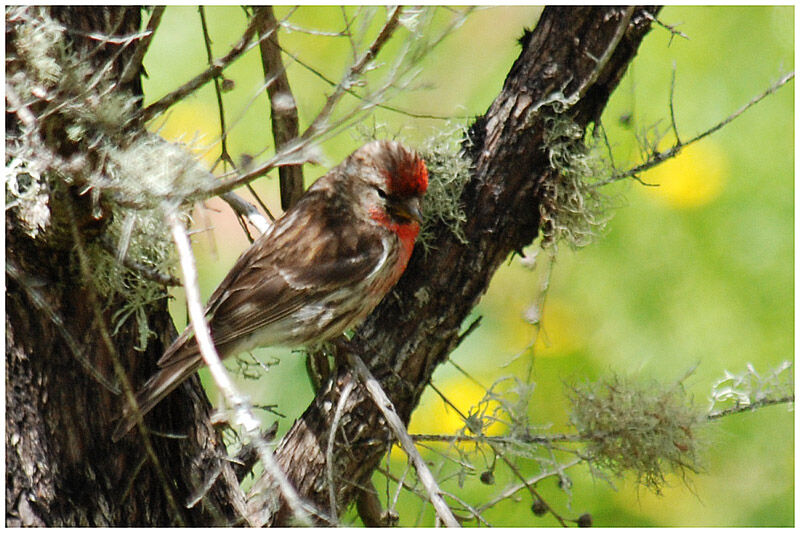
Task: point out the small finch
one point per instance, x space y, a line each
318 271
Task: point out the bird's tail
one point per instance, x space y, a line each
156 388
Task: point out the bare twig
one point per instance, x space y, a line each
499 439
135 62
243 413
401 484
295 151
355 70
670 28
224 154
285 123
513 489
243 208
353 93
657 157
239 205
393 420
758 404
207 75
672 106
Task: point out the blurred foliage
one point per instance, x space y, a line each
695 272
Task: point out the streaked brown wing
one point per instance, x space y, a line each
304 257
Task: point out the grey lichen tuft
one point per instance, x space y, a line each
572 210
133 245
448 172
75 137
647 429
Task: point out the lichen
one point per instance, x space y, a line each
448 172
74 135
572 209
647 429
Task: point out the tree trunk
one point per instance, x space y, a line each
62 468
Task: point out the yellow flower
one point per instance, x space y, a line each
693 178
192 124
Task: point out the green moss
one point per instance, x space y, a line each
572 210
448 172
647 429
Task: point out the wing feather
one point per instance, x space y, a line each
293 264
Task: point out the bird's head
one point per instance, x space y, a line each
394 179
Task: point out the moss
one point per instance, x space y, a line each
448 172
572 210
74 135
648 429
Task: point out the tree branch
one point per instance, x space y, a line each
217 67
406 337
659 157
390 415
243 414
285 123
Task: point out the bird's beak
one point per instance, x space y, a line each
408 209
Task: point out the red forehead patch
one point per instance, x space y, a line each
410 177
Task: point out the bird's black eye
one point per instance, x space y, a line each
382 193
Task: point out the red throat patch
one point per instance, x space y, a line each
407 233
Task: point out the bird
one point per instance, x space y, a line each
318 271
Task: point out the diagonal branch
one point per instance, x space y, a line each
207 75
659 157
355 70
413 331
243 413
390 415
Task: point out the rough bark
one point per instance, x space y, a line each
62 468
418 326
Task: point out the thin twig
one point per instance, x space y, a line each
240 206
244 208
499 439
659 157
670 28
401 484
207 75
135 62
758 404
285 122
294 153
393 420
672 106
355 70
243 413
510 491
530 486
499 453
353 93
224 154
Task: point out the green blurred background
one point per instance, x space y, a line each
698 271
